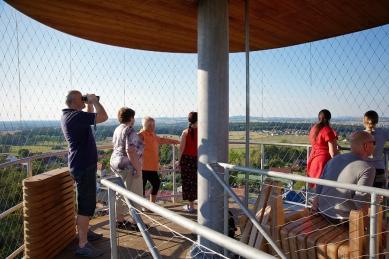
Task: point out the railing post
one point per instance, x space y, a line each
29 168
226 214
112 223
174 174
262 159
307 184
373 244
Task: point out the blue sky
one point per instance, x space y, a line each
347 75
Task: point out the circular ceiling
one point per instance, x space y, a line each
171 25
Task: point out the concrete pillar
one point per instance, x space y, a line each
213 75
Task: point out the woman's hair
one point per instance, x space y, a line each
192 118
324 120
370 119
125 114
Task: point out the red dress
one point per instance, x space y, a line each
320 154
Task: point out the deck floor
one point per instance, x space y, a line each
131 243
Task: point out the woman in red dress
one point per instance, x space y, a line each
187 161
324 145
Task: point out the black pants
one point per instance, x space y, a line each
153 178
379 173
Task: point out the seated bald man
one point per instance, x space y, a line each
335 204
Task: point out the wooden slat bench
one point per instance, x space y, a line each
301 235
49 213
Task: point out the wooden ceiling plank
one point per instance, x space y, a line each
116 25
258 23
140 14
356 12
261 39
120 21
312 17
334 12
287 30
384 4
141 41
275 9
107 36
374 9
284 24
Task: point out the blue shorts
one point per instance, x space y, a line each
86 190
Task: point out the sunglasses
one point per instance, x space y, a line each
373 141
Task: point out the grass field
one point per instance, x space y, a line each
239 136
37 149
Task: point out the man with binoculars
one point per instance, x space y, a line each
82 161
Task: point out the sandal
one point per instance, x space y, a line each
130 225
187 208
135 227
121 224
146 210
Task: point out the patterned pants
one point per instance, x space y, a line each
189 177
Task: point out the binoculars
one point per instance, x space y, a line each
85 98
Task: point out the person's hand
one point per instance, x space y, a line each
312 211
91 98
137 174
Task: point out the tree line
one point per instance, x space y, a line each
54 135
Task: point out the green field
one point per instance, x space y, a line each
238 136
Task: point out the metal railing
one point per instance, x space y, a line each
212 235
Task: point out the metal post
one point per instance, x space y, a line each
226 207
146 236
174 174
112 223
373 247
262 159
385 202
307 184
247 43
29 168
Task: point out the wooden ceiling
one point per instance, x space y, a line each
171 25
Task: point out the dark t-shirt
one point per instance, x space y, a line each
76 127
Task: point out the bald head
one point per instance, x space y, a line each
147 122
74 100
361 143
70 96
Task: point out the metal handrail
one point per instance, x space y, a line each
212 235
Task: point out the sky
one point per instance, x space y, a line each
347 75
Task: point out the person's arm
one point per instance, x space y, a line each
333 147
101 114
89 108
362 199
314 205
133 156
182 145
140 135
167 141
